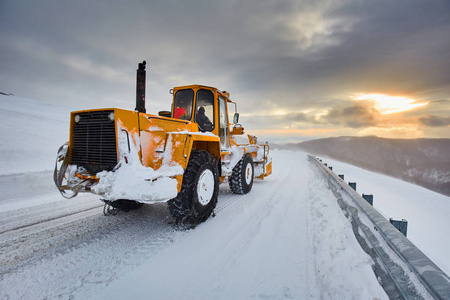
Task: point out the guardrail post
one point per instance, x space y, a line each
368 198
402 225
352 185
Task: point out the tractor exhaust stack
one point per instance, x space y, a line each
140 87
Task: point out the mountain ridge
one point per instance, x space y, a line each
424 161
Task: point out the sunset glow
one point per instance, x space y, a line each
386 104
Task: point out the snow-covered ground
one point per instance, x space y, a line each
287 239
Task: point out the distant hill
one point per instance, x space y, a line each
425 162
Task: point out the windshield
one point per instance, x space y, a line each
183 104
204 110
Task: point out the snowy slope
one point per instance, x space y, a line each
31 133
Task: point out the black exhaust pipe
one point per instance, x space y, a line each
140 87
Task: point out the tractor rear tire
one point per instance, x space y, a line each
199 190
241 180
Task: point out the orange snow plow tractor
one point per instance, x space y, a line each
181 156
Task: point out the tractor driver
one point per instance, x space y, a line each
179 113
203 122
183 104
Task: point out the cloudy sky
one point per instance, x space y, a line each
297 69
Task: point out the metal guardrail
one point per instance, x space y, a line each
403 270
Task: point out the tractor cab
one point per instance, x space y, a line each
205 106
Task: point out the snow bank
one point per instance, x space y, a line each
426 211
342 268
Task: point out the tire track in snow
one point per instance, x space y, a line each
142 244
14 224
93 251
227 198
22 243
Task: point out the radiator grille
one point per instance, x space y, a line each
94 142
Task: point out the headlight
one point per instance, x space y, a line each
77 118
111 116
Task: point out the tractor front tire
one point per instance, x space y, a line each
241 180
199 190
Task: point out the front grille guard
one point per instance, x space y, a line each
94 142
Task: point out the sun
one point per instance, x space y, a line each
386 104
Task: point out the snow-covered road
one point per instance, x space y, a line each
287 239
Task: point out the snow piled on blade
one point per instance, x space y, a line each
133 181
136 182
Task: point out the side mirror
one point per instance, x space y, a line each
164 113
236 118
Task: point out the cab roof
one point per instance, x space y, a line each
199 86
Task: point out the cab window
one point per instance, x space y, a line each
223 124
204 110
182 104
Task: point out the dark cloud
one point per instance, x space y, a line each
435 121
298 117
355 116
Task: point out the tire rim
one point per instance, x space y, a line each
205 187
248 173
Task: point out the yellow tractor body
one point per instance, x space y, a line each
180 157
